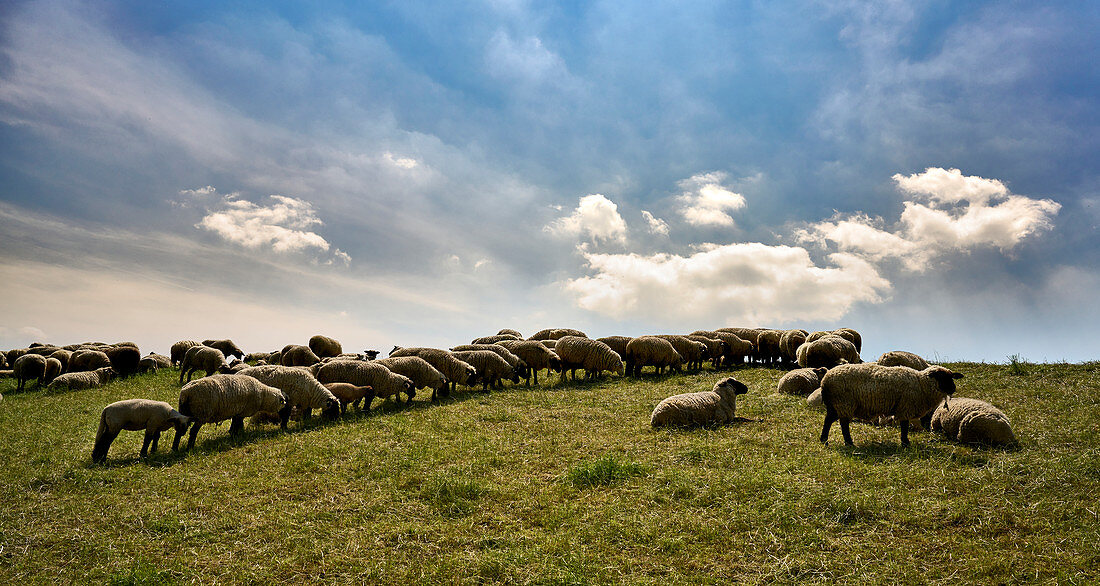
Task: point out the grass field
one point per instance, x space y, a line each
563 483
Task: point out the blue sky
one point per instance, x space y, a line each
413 173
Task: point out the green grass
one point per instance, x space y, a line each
562 483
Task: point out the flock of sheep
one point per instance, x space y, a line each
900 388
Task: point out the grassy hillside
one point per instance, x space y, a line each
563 483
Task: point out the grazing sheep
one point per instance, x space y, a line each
298 355
302 391
136 415
240 365
253 357
514 361
750 335
716 348
27 367
491 368
348 393
11 355
420 372
179 350
77 381
510 331
712 407
972 421
870 391
534 354
275 357
550 344
124 359
852 336
85 360
767 346
227 347
494 339
651 351
828 352
226 396
801 381
204 358
324 347
903 358
366 373
789 343
693 353
591 355
154 362
736 349
556 334
616 343
456 371
62 356
53 369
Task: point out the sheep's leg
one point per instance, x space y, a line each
830 417
194 434
847 433
904 425
176 440
284 418
237 426
145 443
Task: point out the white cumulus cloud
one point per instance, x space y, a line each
596 217
707 202
656 225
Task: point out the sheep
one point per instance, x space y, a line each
53 369
903 358
495 339
456 371
227 347
62 356
324 346
301 390
275 357
240 365
422 374
534 354
813 401
869 391
11 355
76 381
179 349
510 331
736 349
27 367
828 352
226 396
801 381
693 353
972 421
767 346
750 335
4 360
514 361
124 359
556 334
298 355
363 373
84 360
135 415
789 343
852 336
591 355
491 368
154 362
254 357
348 394
712 407
204 358
651 351
716 348
616 343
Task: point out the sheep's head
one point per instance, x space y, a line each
944 378
181 422
372 354
331 408
731 384
820 372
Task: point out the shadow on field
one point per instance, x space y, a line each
880 452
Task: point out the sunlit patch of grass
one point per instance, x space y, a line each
607 470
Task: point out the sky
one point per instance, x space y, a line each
425 173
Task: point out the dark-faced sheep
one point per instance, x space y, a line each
227 347
420 372
302 390
902 358
827 351
385 382
226 396
153 417
713 407
76 381
456 371
535 355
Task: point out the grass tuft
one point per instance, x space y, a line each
1017 366
608 470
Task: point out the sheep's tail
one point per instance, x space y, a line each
827 397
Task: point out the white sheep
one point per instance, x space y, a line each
153 362
651 351
226 396
535 355
902 358
827 351
76 381
420 372
228 347
365 373
456 371
204 358
972 421
179 349
491 368
136 415
298 355
301 389
712 407
591 355
870 391
801 381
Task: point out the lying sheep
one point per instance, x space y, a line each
591 355
813 401
535 355
827 351
76 381
153 363
179 349
124 359
385 382
801 381
227 347
324 347
494 339
204 358
136 415
349 394
298 355
302 391
972 421
29 367
491 368
420 372
651 351
902 358
514 361
456 371
870 391
226 396
712 407
85 360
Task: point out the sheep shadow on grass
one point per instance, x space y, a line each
883 452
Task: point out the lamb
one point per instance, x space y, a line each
227 347
591 355
348 394
366 373
651 351
422 374
801 381
616 343
27 367
903 358
301 390
713 407
514 361
828 352
204 358
716 348
324 346
179 349
154 362
298 355
76 381
495 339
135 415
972 421
84 360
869 391
789 343
693 353
556 334
491 368
226 396
456 371
534 354
124 359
